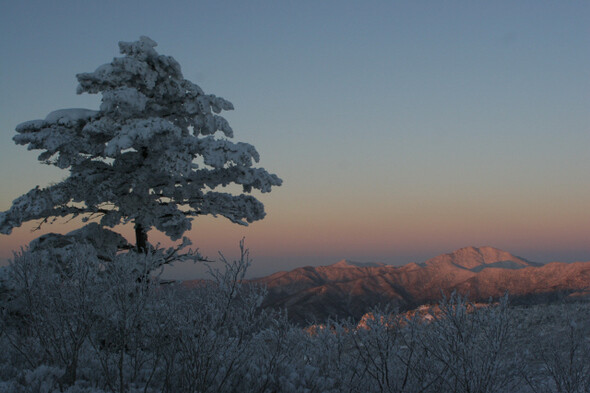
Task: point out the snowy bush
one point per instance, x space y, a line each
52 307
559 352
469 346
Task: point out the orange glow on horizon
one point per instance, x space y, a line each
384 227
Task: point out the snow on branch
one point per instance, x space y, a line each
152 152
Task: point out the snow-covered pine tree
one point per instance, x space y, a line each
148 156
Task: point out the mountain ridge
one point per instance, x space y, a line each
350 289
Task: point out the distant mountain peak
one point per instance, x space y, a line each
479 258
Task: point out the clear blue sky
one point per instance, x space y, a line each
401 129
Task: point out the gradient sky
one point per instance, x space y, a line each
402 130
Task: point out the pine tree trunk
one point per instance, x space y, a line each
140 238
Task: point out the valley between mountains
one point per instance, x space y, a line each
348 289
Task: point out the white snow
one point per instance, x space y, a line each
67 117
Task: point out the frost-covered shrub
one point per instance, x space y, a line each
392 353
112 324
559 349
51 310
213 326
331 349
127 314
469 346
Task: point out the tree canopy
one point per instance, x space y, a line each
150 155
